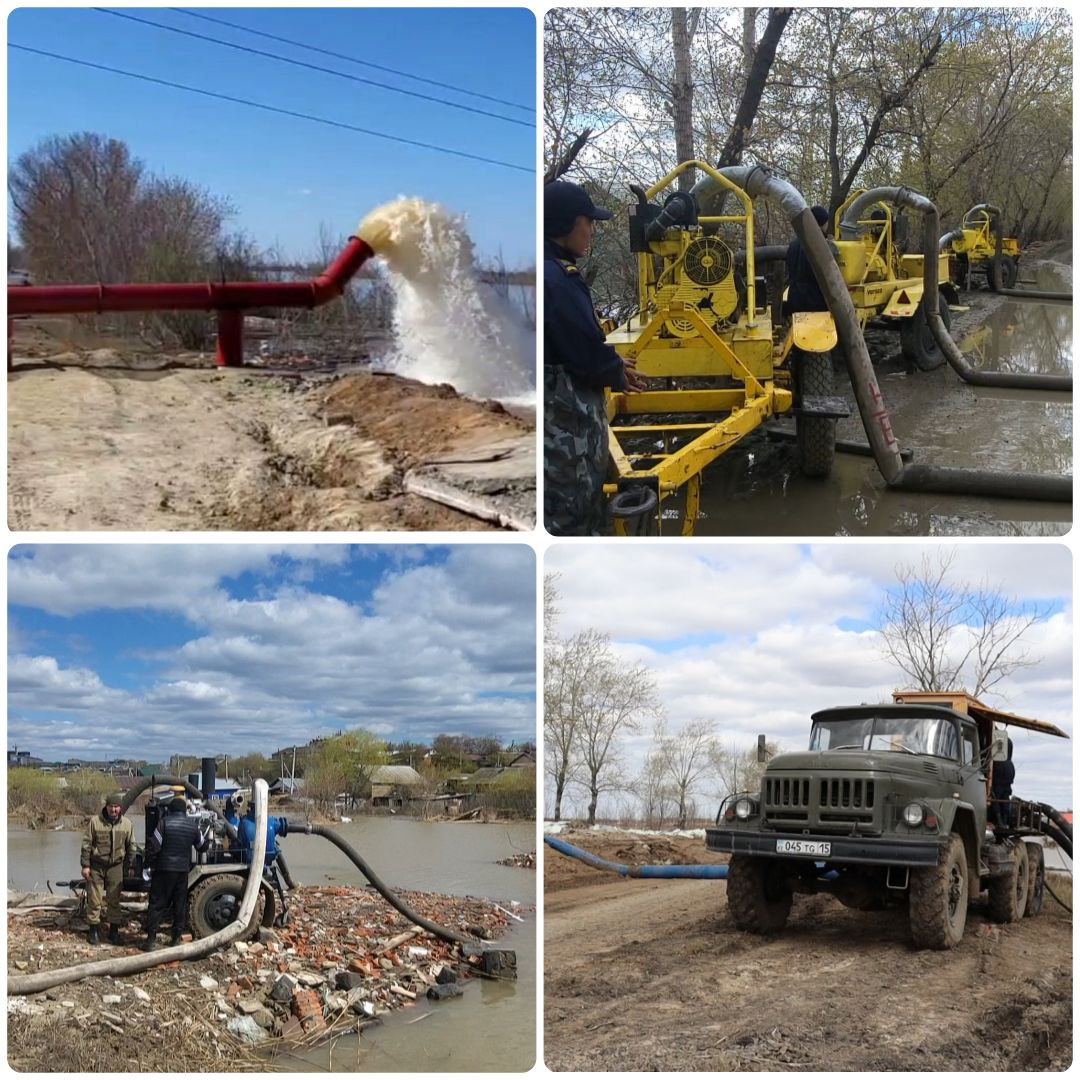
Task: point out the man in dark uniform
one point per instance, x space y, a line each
1001 784
168 851
804 293
578 364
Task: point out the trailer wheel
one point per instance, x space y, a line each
214 902
1006 274
815 436
1036 879
757 897
1008 893
917 341
938 899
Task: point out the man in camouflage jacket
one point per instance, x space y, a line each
108 845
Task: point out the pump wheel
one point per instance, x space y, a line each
1006 274
917 341
757 897
815 436
214 902
938 899
1008 893
1036 879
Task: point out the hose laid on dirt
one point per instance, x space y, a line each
395 901
706 870
192 950
1034 294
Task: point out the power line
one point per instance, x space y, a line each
354 60
315 67
273 108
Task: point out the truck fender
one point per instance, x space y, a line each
959 818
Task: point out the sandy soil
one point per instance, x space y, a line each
104 434
653 975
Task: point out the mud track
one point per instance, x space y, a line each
648 975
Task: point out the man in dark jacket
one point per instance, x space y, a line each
168 851
804 293
1001 784
578 364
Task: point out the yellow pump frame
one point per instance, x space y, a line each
747 354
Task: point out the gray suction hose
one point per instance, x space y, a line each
395 901
192 950
757 181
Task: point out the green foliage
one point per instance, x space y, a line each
35 794
254 766
87 788
342 765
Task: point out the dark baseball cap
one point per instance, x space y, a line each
564 203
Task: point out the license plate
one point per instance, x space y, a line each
803 847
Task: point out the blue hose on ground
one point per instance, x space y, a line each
700 871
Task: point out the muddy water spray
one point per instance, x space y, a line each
449 326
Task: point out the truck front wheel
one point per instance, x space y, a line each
757 897
1008 893
938 898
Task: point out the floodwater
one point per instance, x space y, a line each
491 1028
757 490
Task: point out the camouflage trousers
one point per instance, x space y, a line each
575 456
104 885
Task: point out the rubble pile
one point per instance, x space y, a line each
524 860
344 960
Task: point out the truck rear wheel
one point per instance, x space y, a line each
938 899
214 902
757 897
1007 272
917 341
1008 892
815 436
1036 879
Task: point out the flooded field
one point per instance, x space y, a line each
757 490
492 1027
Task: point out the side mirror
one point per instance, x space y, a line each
1000 745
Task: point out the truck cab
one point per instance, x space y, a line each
888 804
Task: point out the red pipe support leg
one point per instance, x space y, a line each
230 338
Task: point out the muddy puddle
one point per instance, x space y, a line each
492 1027
757 489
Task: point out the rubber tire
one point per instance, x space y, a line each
1036 880
756 904
202 896
815 437
917 343
1009 271
1008 893
938 899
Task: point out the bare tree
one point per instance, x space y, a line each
683 28
615 698
653 791
944 632
738 768
686 757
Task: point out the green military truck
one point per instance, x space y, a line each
889 805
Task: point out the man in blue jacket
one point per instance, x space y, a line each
578 364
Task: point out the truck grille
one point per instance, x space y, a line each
824 801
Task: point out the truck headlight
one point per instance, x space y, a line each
913 814
744 809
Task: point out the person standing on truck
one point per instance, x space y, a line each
804 292
578 364
168 851
1001 785
108 847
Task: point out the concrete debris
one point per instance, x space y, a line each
442 991
246 1029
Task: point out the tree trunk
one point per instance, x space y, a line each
682 92
560 787
594 798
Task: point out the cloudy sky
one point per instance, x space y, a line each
151 650
757 637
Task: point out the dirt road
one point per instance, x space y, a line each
105 436
652 975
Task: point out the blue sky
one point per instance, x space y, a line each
285 176
149 650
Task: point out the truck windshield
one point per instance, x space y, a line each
910 734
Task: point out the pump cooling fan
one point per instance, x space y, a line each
706 261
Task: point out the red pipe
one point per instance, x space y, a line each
229 298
